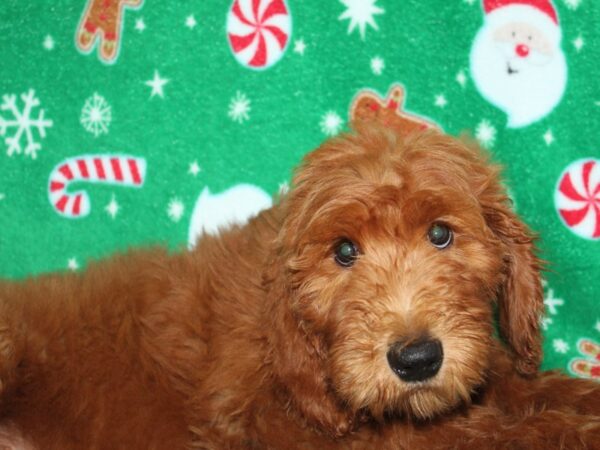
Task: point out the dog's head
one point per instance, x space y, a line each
392 254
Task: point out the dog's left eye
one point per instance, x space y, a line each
345 253
440 235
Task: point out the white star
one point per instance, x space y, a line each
72 264
551 302
360 13
440 101
190 21
194 168
560 346
377 65
157 84
112 208
48 42
485 133
598 326
175 209
572 4
548 137
140 25
299 46
461 78
578 43
2 196
470 2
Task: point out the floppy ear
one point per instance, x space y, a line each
521 303
298 359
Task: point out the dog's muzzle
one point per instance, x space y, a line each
417 361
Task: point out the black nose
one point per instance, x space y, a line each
417 361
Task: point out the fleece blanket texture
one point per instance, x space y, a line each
133 122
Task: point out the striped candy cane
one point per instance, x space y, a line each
122 170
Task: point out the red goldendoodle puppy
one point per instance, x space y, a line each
358 313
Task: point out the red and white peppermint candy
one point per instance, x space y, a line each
122 170
577 198
258 31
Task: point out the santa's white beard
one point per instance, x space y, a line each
526 96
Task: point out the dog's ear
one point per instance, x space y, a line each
520 301
298 358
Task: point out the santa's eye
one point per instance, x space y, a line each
345 253
440 235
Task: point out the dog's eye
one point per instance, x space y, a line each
440 235
345 253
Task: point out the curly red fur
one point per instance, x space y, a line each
257 339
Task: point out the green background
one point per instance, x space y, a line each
424 45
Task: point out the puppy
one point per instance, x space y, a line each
358 313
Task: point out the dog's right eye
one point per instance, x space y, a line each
345 253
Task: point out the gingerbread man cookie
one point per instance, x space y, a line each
102 20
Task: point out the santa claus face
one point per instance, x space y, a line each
522 45
519 69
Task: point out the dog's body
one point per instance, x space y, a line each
257 339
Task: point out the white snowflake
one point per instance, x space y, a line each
470 2
239 107
560 346
72 264
194 168
48 42
23 123
598 326
140 25
552 302
112 208
96 115
548 137
377 65
299 46
578 43
2 196
360 13
175 209
485 133
190 22
331 123
572 4
440 100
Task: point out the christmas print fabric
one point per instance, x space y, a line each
128 122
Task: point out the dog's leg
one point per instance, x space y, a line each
548 391
533 430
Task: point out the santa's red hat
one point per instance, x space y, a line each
539 13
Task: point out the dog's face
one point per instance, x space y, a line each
395 253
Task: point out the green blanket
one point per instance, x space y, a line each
131 122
